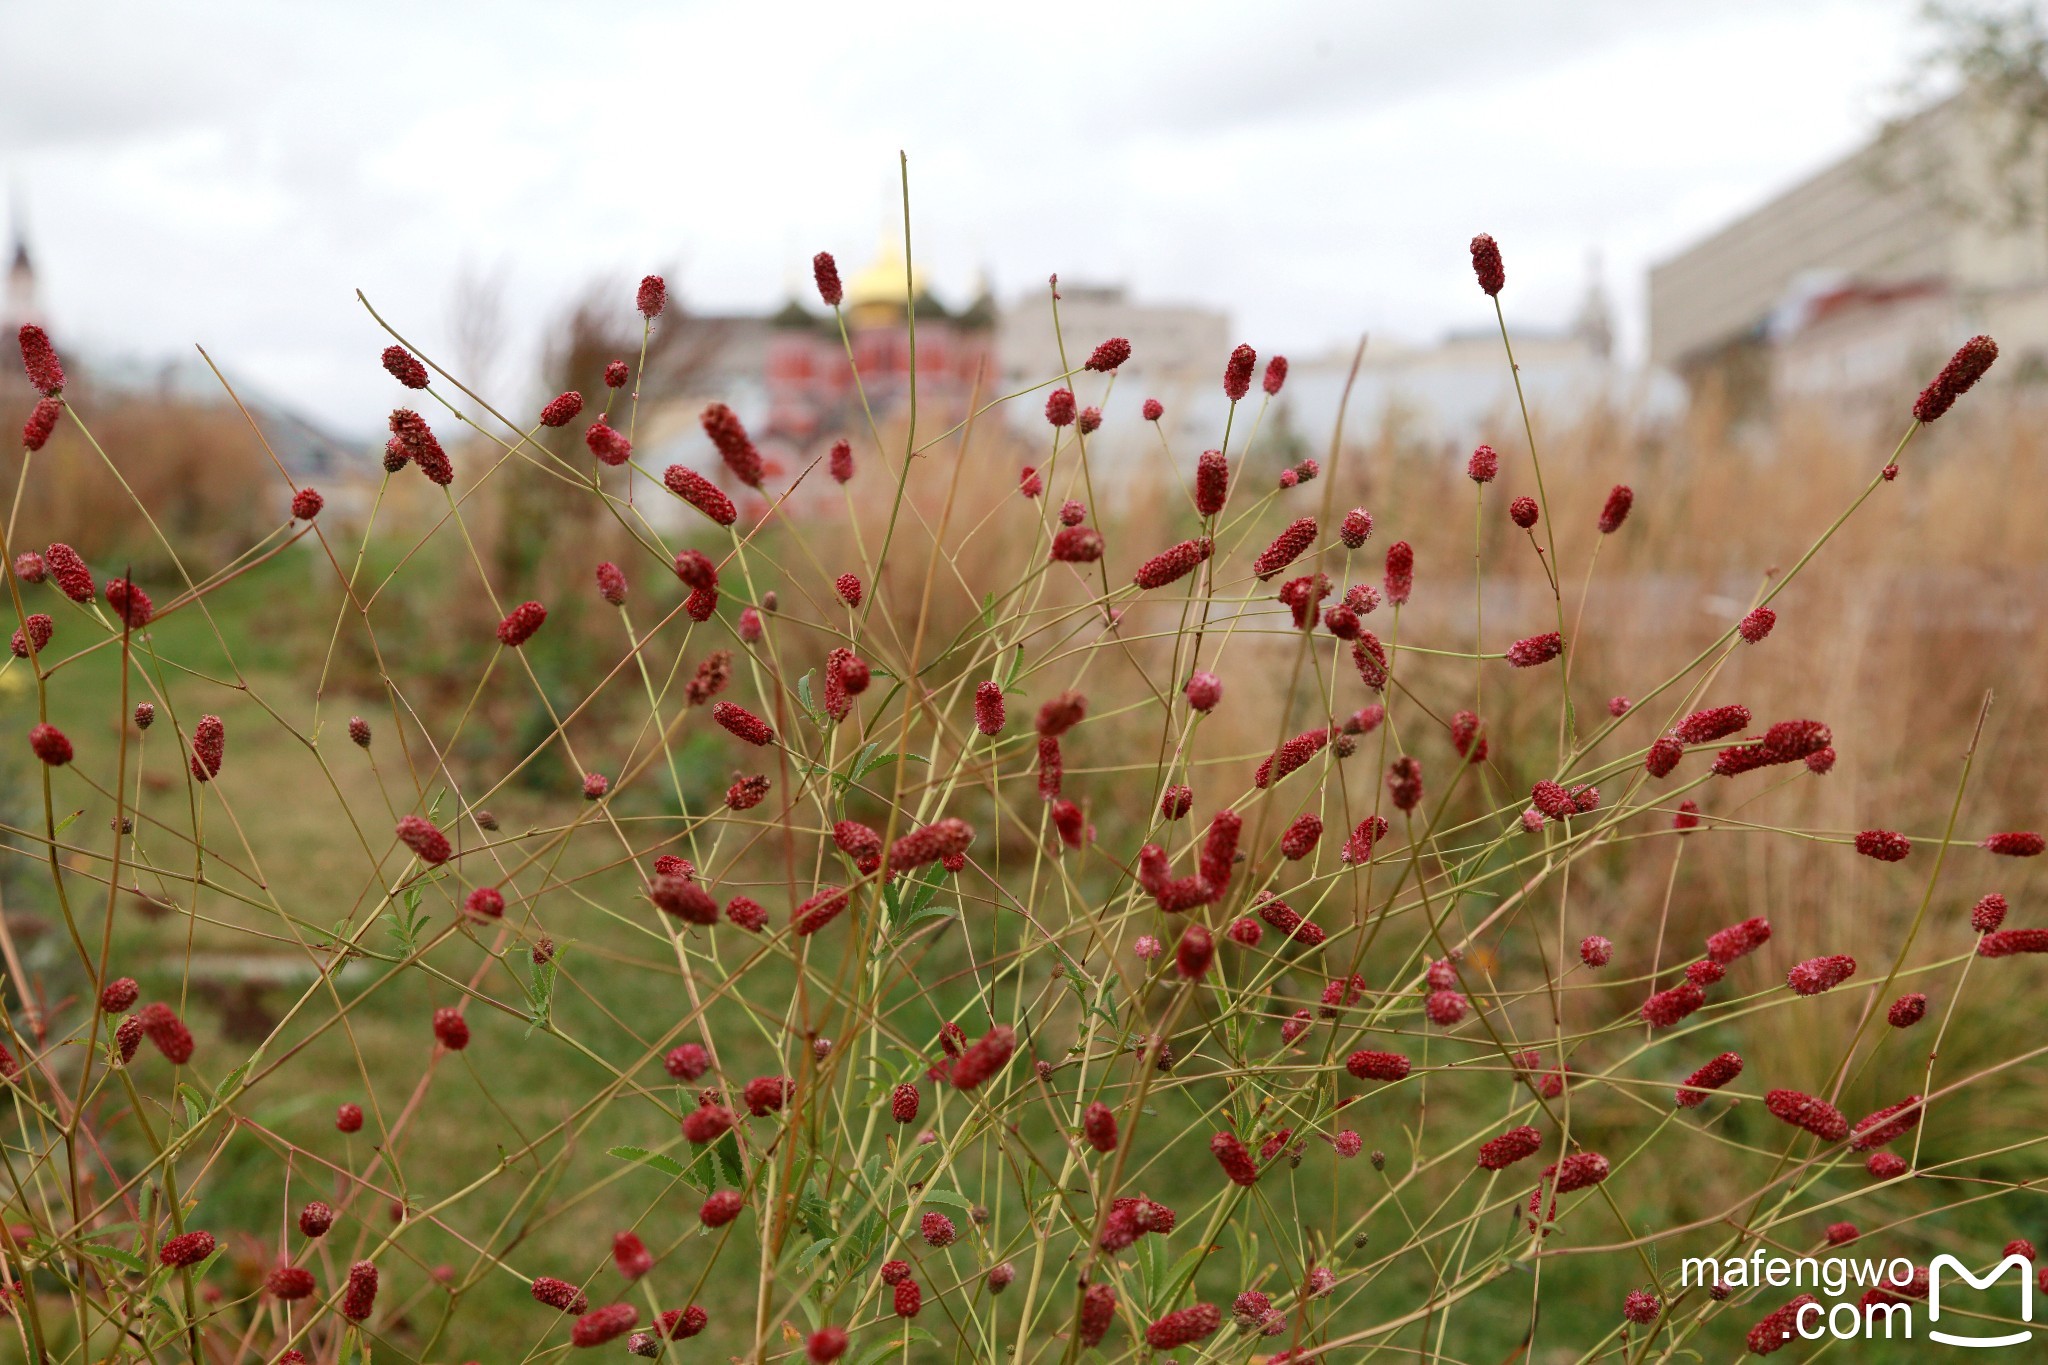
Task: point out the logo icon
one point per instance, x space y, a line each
1989 1278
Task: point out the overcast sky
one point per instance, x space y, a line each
230 173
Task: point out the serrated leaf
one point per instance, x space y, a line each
949 1198
811 1253
667 1165
1182 1272
114 1254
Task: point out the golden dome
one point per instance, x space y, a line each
880 283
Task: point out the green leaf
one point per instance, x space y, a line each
195 1101
949 1198
1182 1272
1152 1261
811 1253
119 1257
65 823
815 1213
667 1165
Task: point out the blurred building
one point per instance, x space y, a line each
346 472
1859 281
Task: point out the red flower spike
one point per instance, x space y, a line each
983 1058
49 744
1173 563
361 1295
1887 1125
720 1208
306 504
2008 942
682 898
651 297
743 724
765 1095
1051 767
1514 1145
1400 572
1716 722
903 1102
1276 375
348 1118
209 748
1712 1076
1595 951
1776 1327
2015 844
1185 1326
734 446
1290 756
1663 757
1062 713
1963 370
1810 1112
451 1030
316 1218
1524 513
559 1295
1757 624
1367 1065
561 409
73 579
1819 975
1537 649
936 1229
1195 952
1907 1010
1235 1159
1237 374
825 271
988 708
708 1123
1153 410
687 1062
700 493
1286 548
1287 921
820 909
187 1248
1619 500
1668 1007
1404 783
1076 545
1059 407
907 1299
609 1323
1098 1125
1887 846
1738 940
41 423
429 843
1301 837
521 623
1029 484
1486 265
631 1255
1885 1165
1356 528
1110 355
486 902
1098 1311
405 367
1988 913
168 1032
931 843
